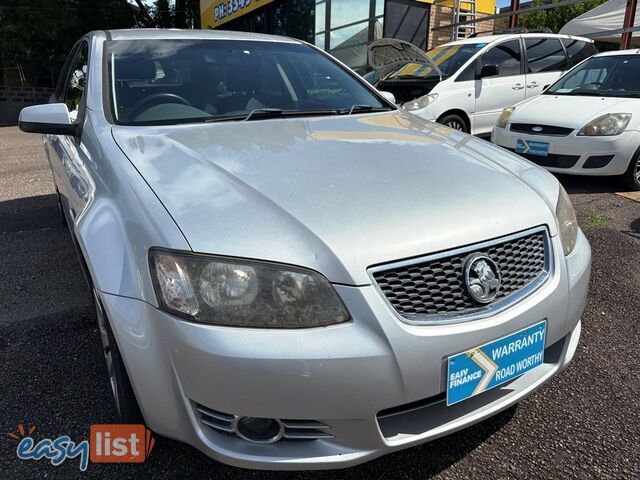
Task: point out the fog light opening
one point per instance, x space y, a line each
258 430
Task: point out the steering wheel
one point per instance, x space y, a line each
156 99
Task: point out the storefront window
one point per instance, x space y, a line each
352 25
321 9
357 33
344 12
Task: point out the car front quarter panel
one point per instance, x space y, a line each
121 220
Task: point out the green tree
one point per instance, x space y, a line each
163 14
38 34
555 18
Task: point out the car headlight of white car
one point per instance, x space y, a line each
505 116
567 222
241 293
420 102
606 125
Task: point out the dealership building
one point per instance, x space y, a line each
345 27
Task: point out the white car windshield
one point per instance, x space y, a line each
448 58
608 76
164 82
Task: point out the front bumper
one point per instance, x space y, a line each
356 378
615 151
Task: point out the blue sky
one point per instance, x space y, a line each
503 3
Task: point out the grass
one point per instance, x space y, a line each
597 220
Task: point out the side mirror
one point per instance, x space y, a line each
48 119
389 97
489 71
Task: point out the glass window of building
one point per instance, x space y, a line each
344 28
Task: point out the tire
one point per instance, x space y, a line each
631 177
454 121
123 395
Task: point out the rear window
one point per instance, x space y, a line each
578 50
545 55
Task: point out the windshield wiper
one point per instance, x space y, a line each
577 93
355 108
264 113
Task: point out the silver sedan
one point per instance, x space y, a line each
289 272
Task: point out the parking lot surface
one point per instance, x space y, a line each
583 424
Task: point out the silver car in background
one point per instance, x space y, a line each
289 272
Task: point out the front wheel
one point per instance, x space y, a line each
632 175
123 395
454 121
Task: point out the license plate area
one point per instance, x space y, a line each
482 368
532 147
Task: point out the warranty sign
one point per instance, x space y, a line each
483 368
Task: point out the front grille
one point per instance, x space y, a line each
552 160
528 128
434 286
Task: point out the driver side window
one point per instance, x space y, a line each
76 82
507 56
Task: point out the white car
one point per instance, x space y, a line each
585 124
465 84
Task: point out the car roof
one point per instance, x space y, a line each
177 34
494 38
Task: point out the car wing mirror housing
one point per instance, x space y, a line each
389 97
48 119
489 71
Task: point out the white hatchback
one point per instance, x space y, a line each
465 84
585 124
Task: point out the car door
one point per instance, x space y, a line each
66 157
496 92
546 60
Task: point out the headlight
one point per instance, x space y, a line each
567 222
609 124
505 116
420 102
239 293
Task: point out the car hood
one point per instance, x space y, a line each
336 194
566 111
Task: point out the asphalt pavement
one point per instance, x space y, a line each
585 423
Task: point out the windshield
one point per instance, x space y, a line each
616 76
178 81
448 58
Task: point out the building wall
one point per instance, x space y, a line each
487 7
442 15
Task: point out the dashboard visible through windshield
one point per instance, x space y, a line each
607 76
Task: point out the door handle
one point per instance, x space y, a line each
533 85
518 86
